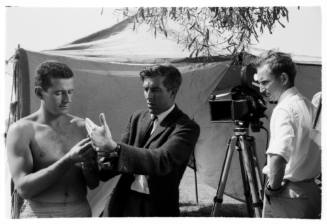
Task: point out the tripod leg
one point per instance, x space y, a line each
246 186
259 178
257 168
218 199
252 178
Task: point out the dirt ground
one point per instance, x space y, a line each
189 207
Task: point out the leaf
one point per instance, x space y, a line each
191 55
173 12
229 39
281 24
207 35
212 23
141 13
197 52
192 26
189 46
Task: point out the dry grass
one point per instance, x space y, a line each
189 207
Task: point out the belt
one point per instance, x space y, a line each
301 181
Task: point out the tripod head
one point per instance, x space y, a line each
242 127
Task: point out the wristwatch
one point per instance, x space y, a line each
116 151
110 160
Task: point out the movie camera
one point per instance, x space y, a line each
241 104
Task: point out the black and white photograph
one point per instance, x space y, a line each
141 109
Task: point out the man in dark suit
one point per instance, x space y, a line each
154 150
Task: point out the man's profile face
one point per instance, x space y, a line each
157 97
58 96
271 86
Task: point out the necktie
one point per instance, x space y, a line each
140 183
148 131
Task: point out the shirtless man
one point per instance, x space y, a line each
50 159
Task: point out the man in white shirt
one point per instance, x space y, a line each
316 135
292 160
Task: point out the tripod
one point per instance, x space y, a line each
252 181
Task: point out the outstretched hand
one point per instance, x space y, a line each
101 135
81 151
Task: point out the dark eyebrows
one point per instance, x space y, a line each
62 91
263 82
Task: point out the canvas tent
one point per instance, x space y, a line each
106 66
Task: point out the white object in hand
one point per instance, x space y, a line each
90 126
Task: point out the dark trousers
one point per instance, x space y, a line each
298 200
138 205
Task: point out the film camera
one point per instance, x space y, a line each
241 104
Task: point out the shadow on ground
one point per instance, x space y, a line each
227 210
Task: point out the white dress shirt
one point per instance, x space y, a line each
140 183
290 130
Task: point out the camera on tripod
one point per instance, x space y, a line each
241 104
244 106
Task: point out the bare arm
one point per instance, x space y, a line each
277 171
27 182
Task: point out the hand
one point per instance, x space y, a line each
101 136
274 191
82 151
90 126
88 166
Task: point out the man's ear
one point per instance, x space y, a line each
284 79
38 91
173 93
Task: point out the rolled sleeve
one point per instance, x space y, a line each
282 134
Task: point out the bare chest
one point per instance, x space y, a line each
49 145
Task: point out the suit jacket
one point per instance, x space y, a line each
163 158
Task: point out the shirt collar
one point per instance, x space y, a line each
287 93
164 114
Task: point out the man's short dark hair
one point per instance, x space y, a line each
279 62
51 70
173 77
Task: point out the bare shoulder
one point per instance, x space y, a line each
24 126
20 135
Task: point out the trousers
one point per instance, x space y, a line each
138 205
34 209
297 200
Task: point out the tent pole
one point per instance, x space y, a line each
195 180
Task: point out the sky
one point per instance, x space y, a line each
38 29
47 28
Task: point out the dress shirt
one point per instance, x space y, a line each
140 183
290 131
